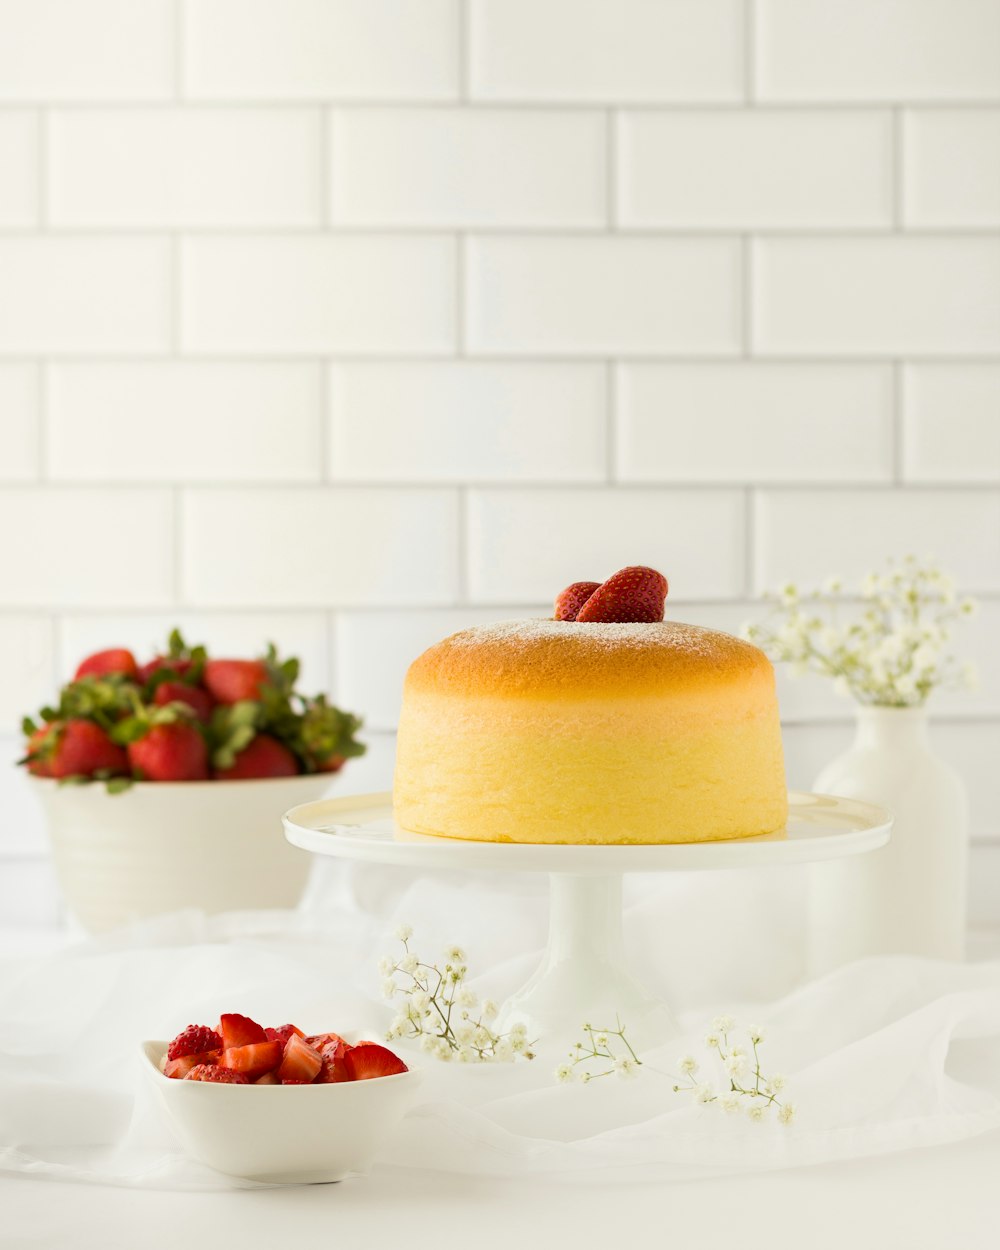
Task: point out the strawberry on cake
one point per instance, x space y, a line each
603 724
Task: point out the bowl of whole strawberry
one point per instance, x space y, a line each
164 783
276 1104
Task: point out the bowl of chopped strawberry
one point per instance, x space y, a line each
164 783
277 1104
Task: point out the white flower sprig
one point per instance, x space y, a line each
748 1087
440 1010
598 1049
887 643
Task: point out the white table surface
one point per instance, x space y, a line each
945 1198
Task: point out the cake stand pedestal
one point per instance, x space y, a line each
584 974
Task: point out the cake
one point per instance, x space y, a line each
594 731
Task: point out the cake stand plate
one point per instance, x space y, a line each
584 974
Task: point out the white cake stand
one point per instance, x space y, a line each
584 974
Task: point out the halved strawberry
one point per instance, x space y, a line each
232 681
368 1060
237 1030
193 1040
253 1061
224 1076
282 1033
199 701
322 1040
301 1062
571 600
179 1068
636 593
114 660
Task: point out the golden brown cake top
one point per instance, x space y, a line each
570 659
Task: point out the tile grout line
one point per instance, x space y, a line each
611 168
750 51
464 52
897 169
42 173
42 433
749 543
179 34
461 244
650 233
746 296
898 433
611 423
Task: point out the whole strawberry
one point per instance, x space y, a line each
636 593
174 751
571 600
74 748
233 681
114 660
199 701
264 757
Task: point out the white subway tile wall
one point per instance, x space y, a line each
345 323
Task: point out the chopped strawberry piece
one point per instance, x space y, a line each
193 1040
114 660
253 1061
269 1078
199 701
263 757
368 1060
636 594
237 1030
180 1067
571 600
224 1076
334 1069
321 1040
232 681
282 1033
301 1062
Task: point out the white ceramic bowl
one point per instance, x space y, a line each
282 1134
162 846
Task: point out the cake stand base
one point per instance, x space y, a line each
584 975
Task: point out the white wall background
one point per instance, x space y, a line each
349 322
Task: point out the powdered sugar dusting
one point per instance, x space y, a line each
601 636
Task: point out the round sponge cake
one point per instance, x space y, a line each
558 731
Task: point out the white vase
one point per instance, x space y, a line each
909 896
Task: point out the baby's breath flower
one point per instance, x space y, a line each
757 1034
420 1001
786 1113
404 932
730 1102
713 1041
777 1082
832 585
455 955
756 1111
490 1010
409 963
601 1039
386 967
704 1093
516 1030
735 1064
389 988
625 1067
688 1064
467 997
565 1074
723 1024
